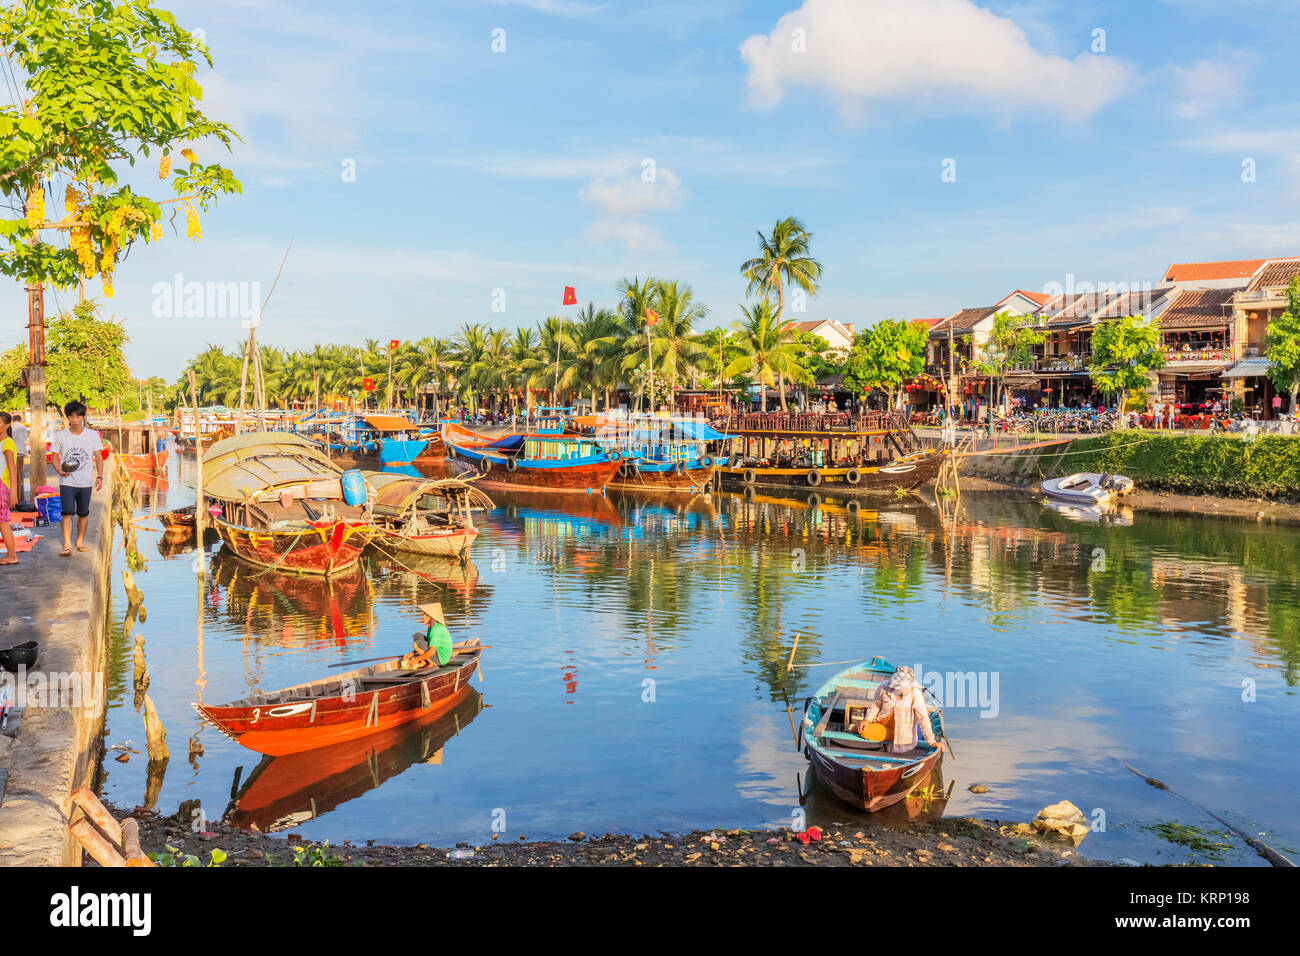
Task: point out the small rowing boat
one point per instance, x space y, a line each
1088 488
352 705
425 516
863 772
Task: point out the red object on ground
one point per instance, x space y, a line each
570 295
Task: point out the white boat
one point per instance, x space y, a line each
1088 488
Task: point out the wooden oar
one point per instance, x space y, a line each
388 657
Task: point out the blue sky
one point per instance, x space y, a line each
521 170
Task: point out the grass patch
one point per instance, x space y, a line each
1196 839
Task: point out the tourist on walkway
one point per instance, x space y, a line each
18 432
8 482
80 467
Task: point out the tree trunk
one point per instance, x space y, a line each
780 308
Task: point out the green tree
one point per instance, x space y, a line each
885 356
103 83
1284 346
765 346
1010 344
85 361
1124 354
782 258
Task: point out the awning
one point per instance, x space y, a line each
1248 368
1188 368
389 423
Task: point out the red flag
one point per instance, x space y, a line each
570 295
368 384
651 316
393 343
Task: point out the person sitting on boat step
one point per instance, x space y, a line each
434 647
903 698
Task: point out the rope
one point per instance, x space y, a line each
1085 451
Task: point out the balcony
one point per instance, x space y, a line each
1174 356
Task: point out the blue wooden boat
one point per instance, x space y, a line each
861 772
545 459
661 454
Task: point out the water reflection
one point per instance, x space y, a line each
283 792
651 619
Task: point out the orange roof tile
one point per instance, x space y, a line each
1205 271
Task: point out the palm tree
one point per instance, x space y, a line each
634 299
593 338
783 257
765 352
671 344
468 349
525 362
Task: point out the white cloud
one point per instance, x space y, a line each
951 53
636 236
628 197
1210 83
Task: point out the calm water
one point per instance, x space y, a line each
637 677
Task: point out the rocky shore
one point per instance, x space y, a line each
956 841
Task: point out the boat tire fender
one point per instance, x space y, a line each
706 462
749 476
814 477
853 476
615 455
512 465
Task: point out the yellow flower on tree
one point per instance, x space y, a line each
189 154
164 167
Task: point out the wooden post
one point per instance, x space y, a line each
199 506
243 382
155 733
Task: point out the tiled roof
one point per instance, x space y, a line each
1274 273
1135 302
1194 308
928 323
966 319
1039 297
1208 271
807 326
1080 309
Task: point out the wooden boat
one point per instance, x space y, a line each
372 440
660 454
425 516
154 463
544 460
283 792
872 453
1088 488
282 505
178 521
862 772
346 707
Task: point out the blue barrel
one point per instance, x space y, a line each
354 487
160 445
49 507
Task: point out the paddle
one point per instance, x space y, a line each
388 657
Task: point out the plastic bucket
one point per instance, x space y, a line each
354 487
49 507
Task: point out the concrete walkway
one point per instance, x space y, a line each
62 603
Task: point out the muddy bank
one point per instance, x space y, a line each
957 841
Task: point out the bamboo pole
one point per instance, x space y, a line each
198 481
243 381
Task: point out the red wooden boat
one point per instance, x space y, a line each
861 772
283 792
154 463
282 504
351 705
541 461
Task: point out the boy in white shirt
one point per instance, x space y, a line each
76 454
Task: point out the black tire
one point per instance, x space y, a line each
633 467
749 476
615 454
484 466
814 478
852 508
814 500
706 461
511 464
853 476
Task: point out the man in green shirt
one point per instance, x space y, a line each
437 649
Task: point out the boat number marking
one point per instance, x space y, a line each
911 770
288 710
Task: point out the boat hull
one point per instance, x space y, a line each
298 724
449 543
689 480
907 473
151 464
318 547
871 790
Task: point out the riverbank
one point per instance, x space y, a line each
956 841
48 750
1224 475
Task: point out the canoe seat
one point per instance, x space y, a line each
852 741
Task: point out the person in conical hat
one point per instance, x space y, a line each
434 648
903 697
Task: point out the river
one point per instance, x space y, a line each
637 678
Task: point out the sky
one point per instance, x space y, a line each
461 161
